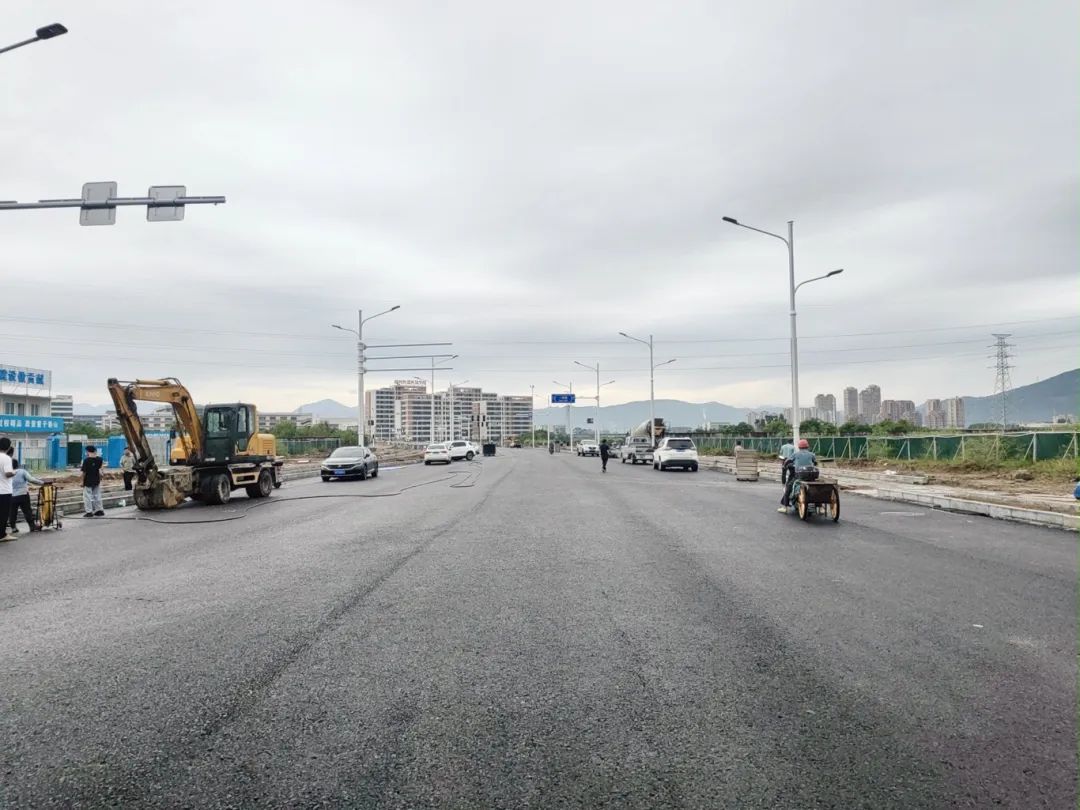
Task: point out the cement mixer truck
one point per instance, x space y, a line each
637 448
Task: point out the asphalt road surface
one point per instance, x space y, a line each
524 631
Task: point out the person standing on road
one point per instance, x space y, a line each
7 472
91 472
127 467
605 454
787 450
20 497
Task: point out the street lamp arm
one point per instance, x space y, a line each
818 278
377 314
631 337
345 329
666 362
759 230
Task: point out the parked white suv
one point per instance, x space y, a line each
460 449
636 450
676 452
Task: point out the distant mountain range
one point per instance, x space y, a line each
328 408
1037 402
674 412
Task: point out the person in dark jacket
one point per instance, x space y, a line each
91 472
605 454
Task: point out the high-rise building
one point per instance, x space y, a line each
804 414
851 403
954 413
825 405
870 404
62 405
403 412
935 414
897 410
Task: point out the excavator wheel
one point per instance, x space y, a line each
216 489
263 487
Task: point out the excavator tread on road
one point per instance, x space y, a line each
212 455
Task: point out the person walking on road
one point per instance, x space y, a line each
127 467
91 472
7 472
20 497
605 454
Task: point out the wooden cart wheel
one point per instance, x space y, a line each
834 504
801 504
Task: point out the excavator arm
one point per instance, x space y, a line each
169 390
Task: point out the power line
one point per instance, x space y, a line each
297 336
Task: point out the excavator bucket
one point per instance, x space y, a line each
167 490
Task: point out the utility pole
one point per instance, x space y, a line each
1002 382
532 413
361 359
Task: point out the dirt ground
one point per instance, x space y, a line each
1047 482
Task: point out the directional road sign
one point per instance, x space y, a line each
563 399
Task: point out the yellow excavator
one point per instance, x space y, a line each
211 456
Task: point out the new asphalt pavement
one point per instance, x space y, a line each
525 631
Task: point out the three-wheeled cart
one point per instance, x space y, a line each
821 497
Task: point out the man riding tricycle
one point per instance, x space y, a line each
804 491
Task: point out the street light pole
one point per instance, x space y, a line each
569 433
45 32
444 360
453 416
532 413
596 368
361 359
653 365
792 287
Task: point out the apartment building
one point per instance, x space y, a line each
954 413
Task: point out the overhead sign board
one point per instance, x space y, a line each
563 399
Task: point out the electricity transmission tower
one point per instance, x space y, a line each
1002 383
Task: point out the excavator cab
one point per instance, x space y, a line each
229 429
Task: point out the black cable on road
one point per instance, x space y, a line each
269 501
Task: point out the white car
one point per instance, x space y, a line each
588 449
675 452
437 454
460 449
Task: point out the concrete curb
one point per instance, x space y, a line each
1032 517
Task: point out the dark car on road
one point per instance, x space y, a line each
350 462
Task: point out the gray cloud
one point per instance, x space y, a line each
517 175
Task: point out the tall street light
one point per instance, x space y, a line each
361 426
653 366
790 242
45 32
453 420
532 413
570 387
433 364
596 368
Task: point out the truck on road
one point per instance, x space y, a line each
637 448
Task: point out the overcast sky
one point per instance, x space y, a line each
528 180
